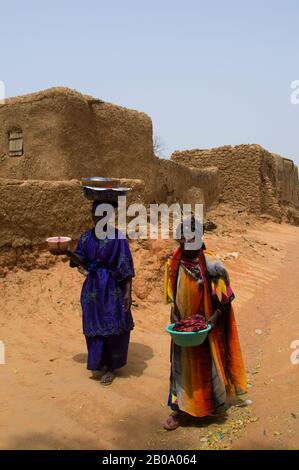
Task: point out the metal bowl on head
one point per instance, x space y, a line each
103 194
58 245
99 182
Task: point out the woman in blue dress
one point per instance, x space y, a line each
106 299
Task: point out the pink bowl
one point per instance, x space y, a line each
58 245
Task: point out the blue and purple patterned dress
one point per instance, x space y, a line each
106 324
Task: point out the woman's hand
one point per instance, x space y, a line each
213 320
127 301
128 295
82 271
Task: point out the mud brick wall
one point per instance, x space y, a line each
68 135
248 175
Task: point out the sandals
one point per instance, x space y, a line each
174 421
95 375
107 378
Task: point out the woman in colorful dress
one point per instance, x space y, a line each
106 299
196 282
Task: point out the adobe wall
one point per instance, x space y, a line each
238 179
68 135
286 180
174 181
33 210
249 176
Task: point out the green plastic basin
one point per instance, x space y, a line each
187 339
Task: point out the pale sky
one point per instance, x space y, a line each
208 73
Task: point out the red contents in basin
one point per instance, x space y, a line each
191 324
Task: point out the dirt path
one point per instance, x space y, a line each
274 377
49 402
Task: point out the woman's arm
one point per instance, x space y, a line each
76 260
82 271
219 312
213 320
128 294
78 257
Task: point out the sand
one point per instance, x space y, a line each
48 400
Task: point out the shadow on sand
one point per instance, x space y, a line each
39 441
139 355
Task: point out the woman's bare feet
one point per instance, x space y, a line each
108 377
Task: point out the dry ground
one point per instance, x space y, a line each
49 402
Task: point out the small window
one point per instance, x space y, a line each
15 139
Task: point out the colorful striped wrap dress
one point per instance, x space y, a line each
203 376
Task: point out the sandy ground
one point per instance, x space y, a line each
49 402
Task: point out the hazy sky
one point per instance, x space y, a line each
208 73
